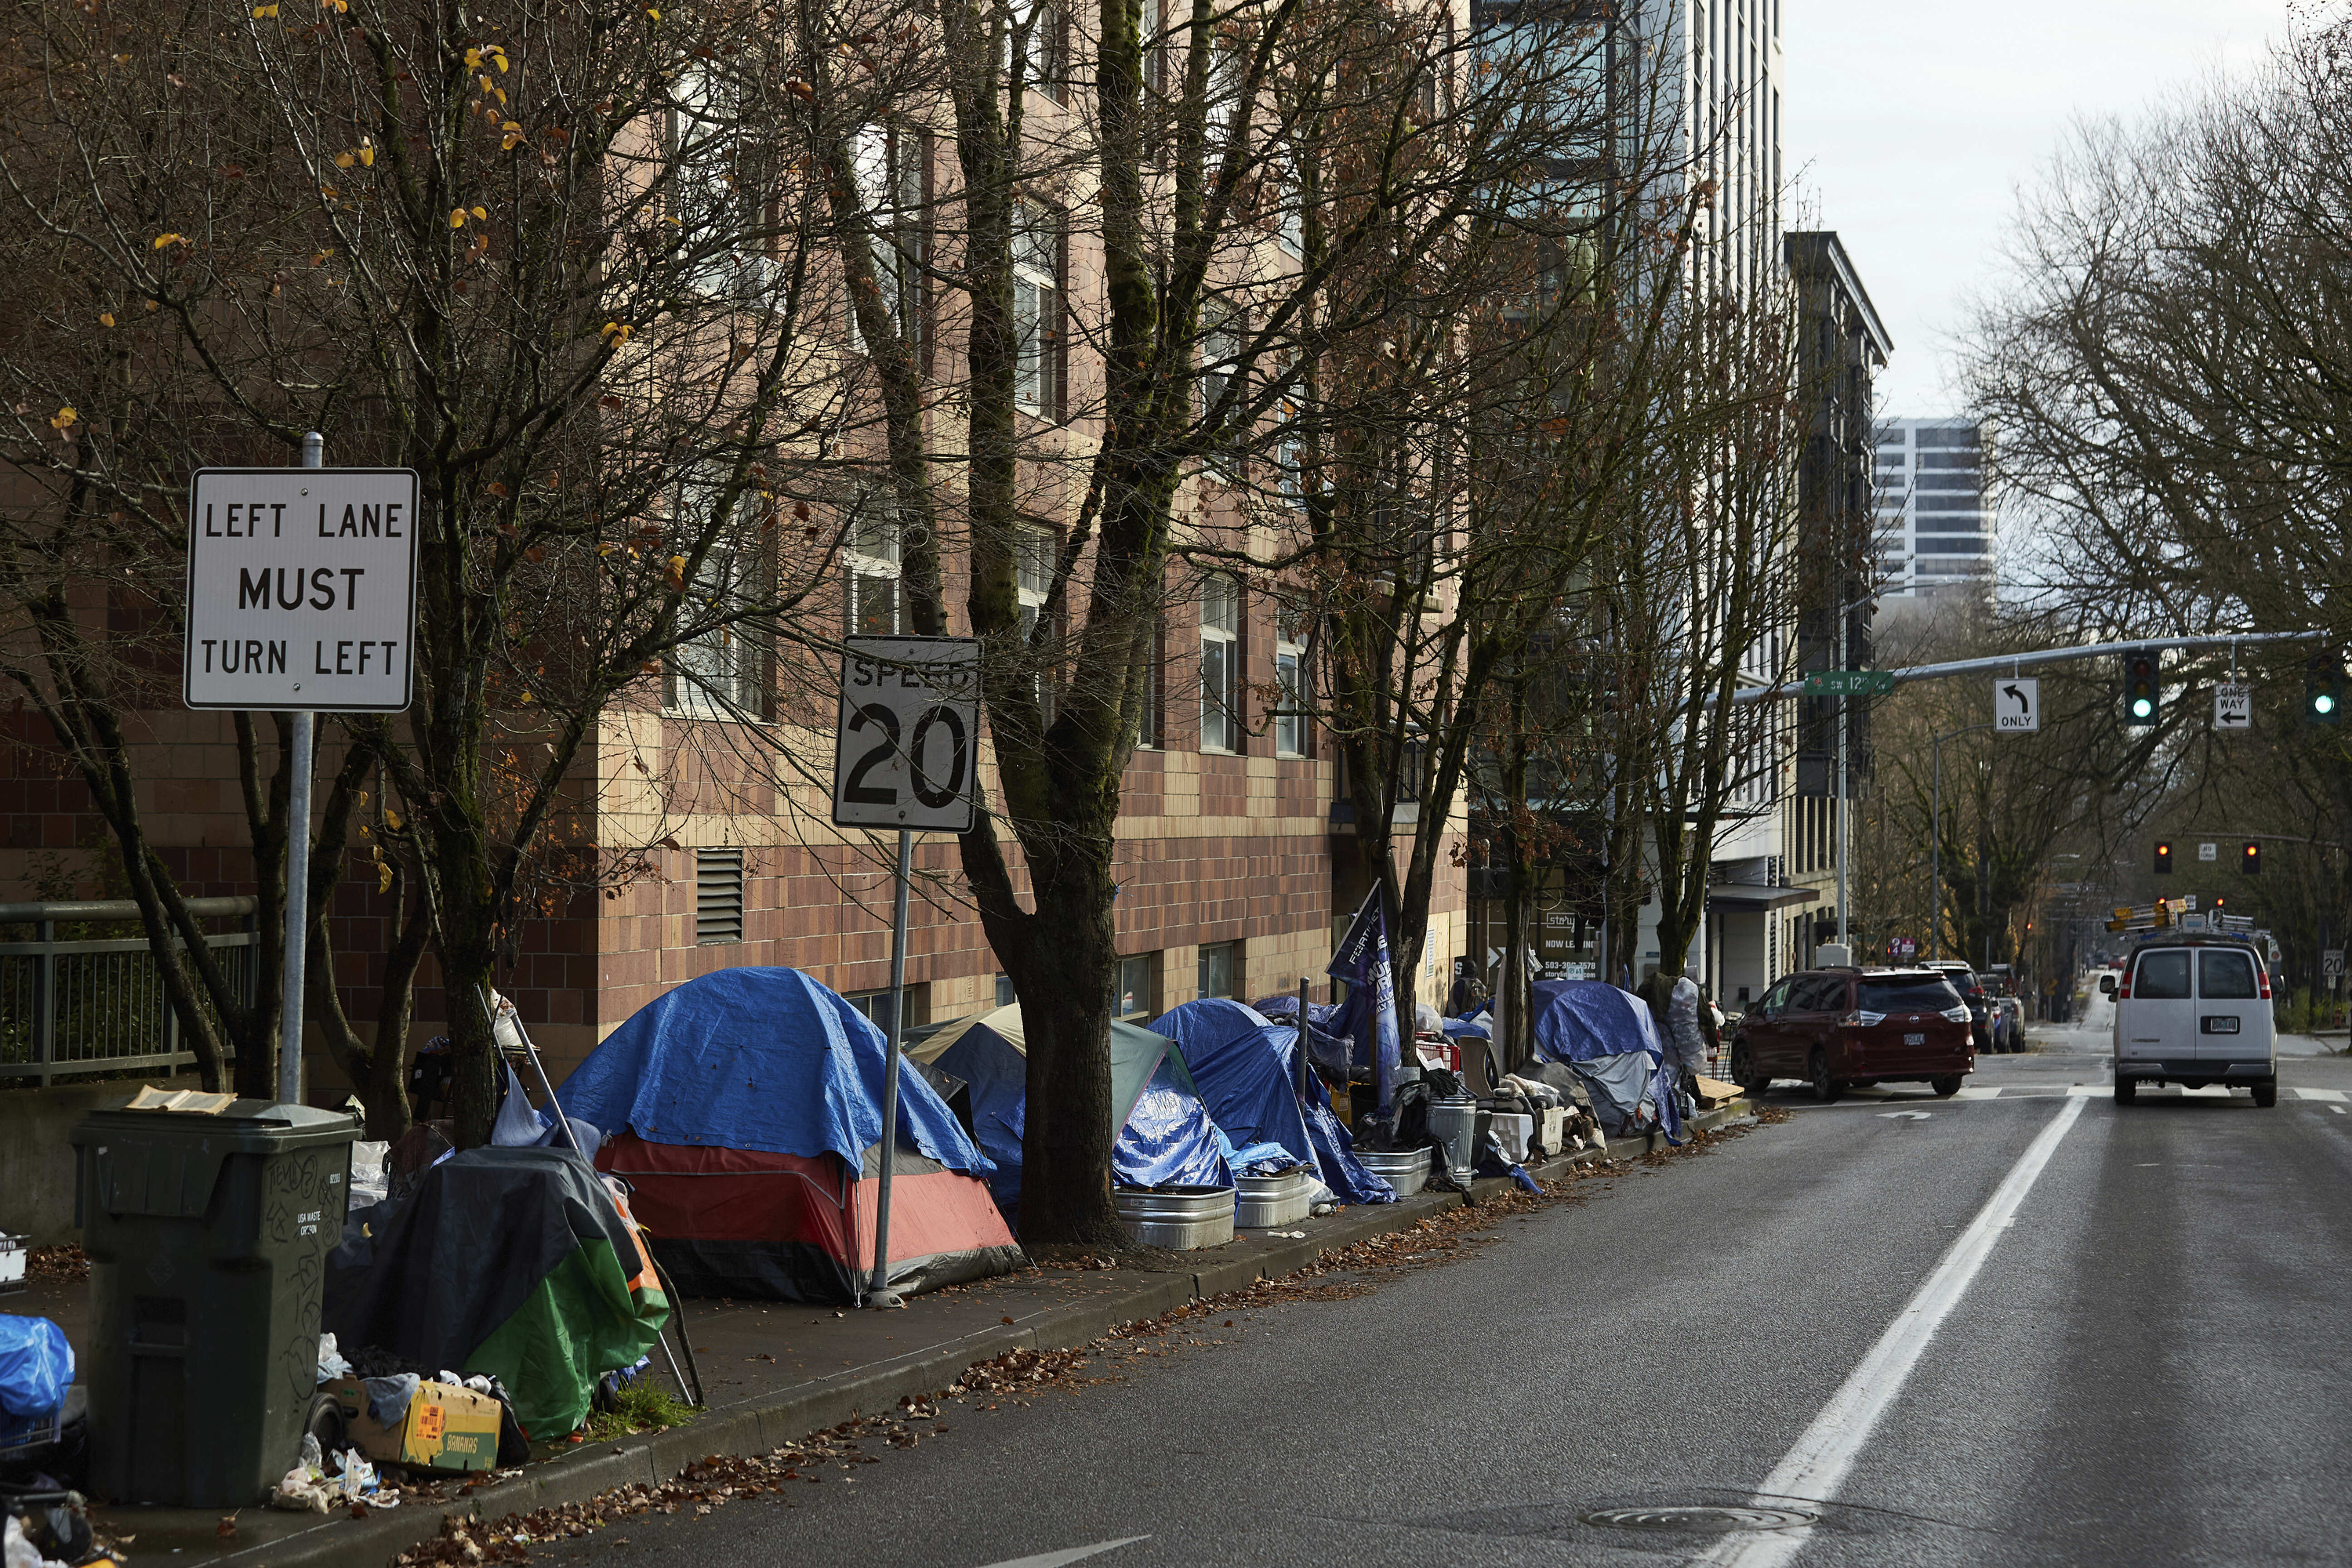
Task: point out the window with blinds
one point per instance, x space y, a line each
717 895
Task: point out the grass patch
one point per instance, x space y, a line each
642 1409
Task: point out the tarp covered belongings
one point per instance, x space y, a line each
36 1366
1608 1037
512 1263
1328 1044
1247 1066
1165 1135
747 1110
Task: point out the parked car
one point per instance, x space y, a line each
2194 1012
1837 1028
1972 992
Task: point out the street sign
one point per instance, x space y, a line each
301 589
2233 707
1849 683
2016 705
2331 963
907 744
2208 852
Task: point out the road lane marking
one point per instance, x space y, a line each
2332 1096
2086 1090
1816 1468
1973 1092
2339 1109
1074 1554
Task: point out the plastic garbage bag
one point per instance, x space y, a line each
20 1552
36 1366
331 1361
388 1397
518 1126
356 1476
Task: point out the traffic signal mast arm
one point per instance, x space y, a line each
2001 664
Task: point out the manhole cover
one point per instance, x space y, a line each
1698 1516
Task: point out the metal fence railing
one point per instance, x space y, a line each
83 995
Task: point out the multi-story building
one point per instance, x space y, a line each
1935 522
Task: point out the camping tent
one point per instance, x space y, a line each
1608 1037
1165 1136
509 1262
747 1110
1247 1067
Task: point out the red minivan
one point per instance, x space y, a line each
1837 1028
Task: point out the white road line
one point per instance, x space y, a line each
2332 1096
1816 1468
2339 1110
1972 1092
2087 1090
1074 1554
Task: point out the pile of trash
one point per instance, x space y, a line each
310 1487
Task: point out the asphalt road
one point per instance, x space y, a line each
2126 1350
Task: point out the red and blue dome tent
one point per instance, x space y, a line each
746 1110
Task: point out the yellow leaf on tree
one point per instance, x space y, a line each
673 573
457 217
106 318
66 416
367 157
392 820
481 215
344 160
384 877
163 239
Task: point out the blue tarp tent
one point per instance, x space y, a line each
1247 1067
1166 1138
1608 1038
1327 1044
759 1058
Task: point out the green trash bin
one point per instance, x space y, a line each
207 1237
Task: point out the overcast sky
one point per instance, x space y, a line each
1912 127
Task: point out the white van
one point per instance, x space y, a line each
2194 1012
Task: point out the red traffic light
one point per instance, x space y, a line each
2163 859
2250 859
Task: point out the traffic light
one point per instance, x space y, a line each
2322 690
2163 858
2142 695
2250 859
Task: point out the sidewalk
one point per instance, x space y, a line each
775 1371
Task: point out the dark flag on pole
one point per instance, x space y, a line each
1369 1017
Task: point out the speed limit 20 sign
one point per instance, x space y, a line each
908 740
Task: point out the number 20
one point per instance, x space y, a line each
856 792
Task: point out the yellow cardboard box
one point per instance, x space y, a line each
445 1428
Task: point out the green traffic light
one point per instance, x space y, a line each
2325 702
2142 707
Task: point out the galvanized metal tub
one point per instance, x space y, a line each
1261 1202
1179 1218
1406 1170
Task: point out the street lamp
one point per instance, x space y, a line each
1936 843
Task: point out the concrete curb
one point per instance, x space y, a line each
764 1422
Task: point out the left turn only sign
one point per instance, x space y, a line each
301 589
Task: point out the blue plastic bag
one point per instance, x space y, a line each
36 1366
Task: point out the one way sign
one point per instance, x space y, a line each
2017 706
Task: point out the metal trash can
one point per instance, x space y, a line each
207 1236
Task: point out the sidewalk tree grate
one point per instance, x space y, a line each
1698 1516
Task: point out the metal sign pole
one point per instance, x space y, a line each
881 1295
297 920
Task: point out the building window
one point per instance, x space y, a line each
1037 290
875 1006
889 163
718 896
720 226
714 672
1005 992
871 561
1289 664
1220 657
1147 726
1220 969
1220 348
1138 994
1044 59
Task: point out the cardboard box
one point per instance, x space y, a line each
445 1427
